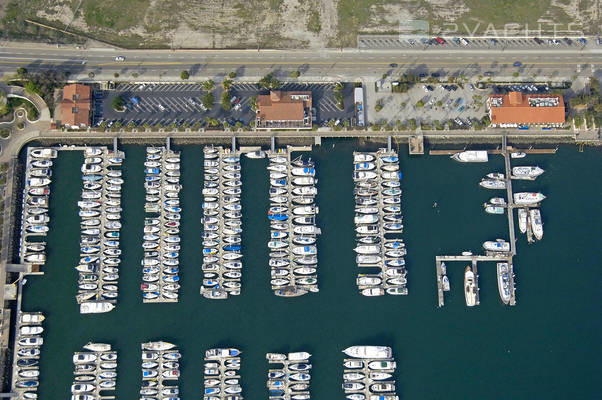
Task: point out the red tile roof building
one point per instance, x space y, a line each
75 106
519 109
283 110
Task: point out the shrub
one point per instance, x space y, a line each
118 103
420 103
378 107
208 85
226 104
4 133
295 74
253 103
232 75
185 75
208 101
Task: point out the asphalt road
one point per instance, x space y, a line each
316 66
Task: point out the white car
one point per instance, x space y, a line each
120 58
237 107
161 107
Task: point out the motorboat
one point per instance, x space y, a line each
496 176
300 171
536 223
368 352
528 198
353 386
364 175
44 153
493 184
499 245
470 287
498 201
362 157
490 209
471 156
95 307
526 172
382 365
503 281
518 155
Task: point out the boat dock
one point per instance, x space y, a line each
160 370
292 215
26 357
222 224
222 378
379 224
473 259
34 217
369 377
100 212
160 265
95 371
449 152
292 379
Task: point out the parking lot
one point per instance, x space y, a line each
457 103
166 104
401 42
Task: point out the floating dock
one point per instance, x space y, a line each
371 377
36 195
100 212
160 370
95 371
294 230
222 224
222 377
26 357
292 380
160 265
378 221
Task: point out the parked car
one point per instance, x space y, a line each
161 107
538 40
464 42
439 40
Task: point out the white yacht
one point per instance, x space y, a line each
471 156
96 307
491 209
470 287
522 220
493 184
536 223
522 198
368 351
503 282
497 245
527 173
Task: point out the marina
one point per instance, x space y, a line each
292 380
160 371
100 213
36 197
369 374
379 224
27 348
95 372
222 224
293 224
160 265
222 374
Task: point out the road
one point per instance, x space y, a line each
314 65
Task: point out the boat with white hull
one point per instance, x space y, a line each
526 172
470 287
536 223
526 198
503 281
471 156
369 351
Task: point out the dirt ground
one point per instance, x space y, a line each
292 23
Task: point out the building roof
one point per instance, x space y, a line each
76 104
282 106
520 108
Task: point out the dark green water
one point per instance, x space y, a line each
548 346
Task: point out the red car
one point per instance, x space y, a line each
439 40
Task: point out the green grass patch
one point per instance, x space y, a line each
114 14
313 23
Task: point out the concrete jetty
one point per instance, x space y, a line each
160 369
160 265
100 212
379 223
292 379
25 365
95 371
222 378
292 209
222 210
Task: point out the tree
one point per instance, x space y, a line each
226 103
21 72
208 101
116 74
226 84
232 75
208 85
118 103
295 74
184 75
253 103
269 82
412 124
378 106
439 103
420 103
515 74
31 88
91 75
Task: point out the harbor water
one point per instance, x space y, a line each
548 346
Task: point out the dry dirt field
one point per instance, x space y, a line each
282 23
